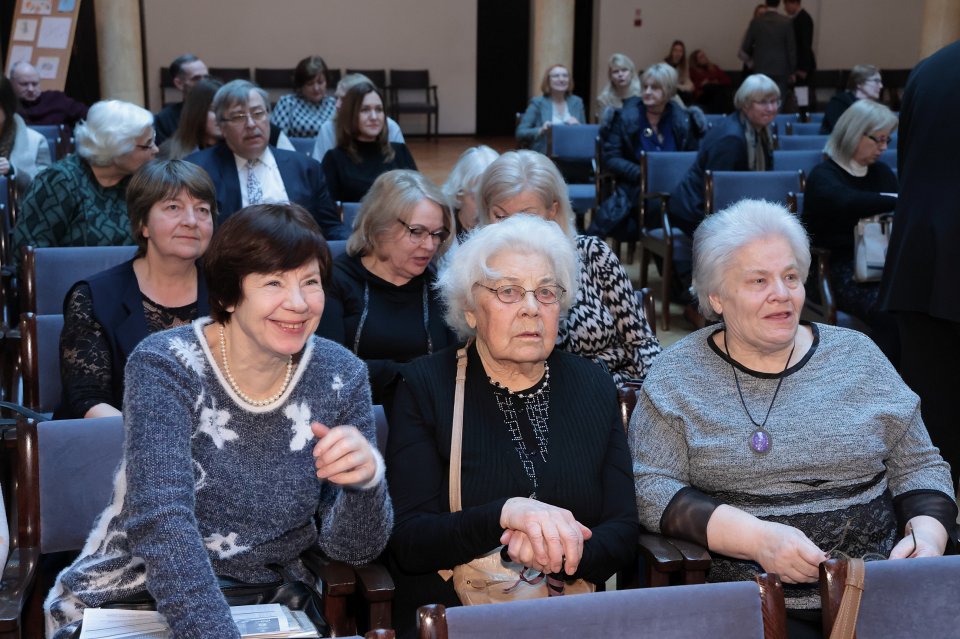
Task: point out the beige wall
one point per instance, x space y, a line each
846 32
438 35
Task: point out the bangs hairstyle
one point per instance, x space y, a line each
517 235
721 235
661 75
545 83
263 238
392 197
609 97
465 177
755 87
160 180
515 172
307 69
862 118
110 130
348 122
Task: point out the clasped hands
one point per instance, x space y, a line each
541 536
343 455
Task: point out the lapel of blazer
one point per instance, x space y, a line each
134 327
286 165
228 186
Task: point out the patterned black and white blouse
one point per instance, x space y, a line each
300 118
606 324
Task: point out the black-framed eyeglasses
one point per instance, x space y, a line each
880 141
511 293
417 233
239 119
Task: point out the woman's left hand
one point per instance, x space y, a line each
931 539
343 455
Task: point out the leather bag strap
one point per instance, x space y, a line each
845 626
456 435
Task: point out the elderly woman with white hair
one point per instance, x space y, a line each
545 467
739 142
80 200
381 302
460 189
849 185
605 322
776 443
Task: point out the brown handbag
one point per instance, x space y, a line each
845 625
491 578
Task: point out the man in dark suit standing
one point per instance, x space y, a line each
247 170
803 33
771 45
920 275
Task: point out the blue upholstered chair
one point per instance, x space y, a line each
59 269
337 248
302 145
803 128
573 148
889 157
40 361
902 598
660 173
349 212
783 121
814 117
723 188
797 160
720 611
802 142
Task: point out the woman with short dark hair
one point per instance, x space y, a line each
363 149
249 440
171 206
302 113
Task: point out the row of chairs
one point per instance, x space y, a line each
407 92
59 138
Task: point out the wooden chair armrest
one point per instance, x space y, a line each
696 560
381 633
376 585
432 622
773 606
335 583
18 578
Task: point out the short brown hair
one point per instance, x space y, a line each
158 180
545 83
307 69
347 129
263 238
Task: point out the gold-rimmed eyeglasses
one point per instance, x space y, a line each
511 293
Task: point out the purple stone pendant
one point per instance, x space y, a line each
760 441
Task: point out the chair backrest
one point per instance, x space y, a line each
333 79
51 132
662 171
40 360
402 80
60 268
230 73
573 142
802 142
781 120
337 248
7 220
815 116
723 188
889 157
797 160
713 118
910 598
377 76
804 128
66 474
350 210
719 611
274 78
303 145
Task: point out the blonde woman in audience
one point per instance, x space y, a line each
460 189
556 106
301 114
623 83
605 323
381 302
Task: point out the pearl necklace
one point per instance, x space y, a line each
236 387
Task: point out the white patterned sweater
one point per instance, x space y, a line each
211 485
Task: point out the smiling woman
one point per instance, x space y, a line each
248 441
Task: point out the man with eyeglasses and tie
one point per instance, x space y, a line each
247 170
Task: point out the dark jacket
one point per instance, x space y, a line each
118 308
393 330
839 103
724 148
302 178
803 33
922 260
621 141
